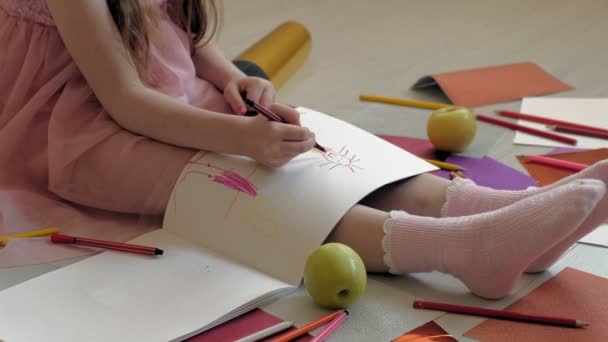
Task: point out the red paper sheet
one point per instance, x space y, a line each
546 174
570 294
429 332
493 84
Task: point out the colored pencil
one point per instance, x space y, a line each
529 130
403 102
557 162
547 121
33 233
119 246
331 327
580 131
501 314
288 336
266 332
272 116
444 165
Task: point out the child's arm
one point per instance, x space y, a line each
212 65
92 39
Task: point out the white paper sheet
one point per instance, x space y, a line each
593 112
597 237
272 219
117 296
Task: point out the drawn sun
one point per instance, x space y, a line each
341 158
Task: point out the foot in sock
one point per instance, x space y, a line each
466 198
489 251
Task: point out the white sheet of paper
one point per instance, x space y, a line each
272 219
593 112
597 237
116 296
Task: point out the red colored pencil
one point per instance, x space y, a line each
509 315
529 130
557 162
580 131
540 119
125 247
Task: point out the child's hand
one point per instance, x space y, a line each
258 90
273 143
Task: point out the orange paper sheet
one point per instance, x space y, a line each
429 332
493 84
545 174
571 294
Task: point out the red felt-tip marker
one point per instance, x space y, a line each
119 246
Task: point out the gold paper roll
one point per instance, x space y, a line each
281 52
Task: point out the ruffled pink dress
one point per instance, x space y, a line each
63 160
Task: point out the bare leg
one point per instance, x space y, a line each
362 229
422 195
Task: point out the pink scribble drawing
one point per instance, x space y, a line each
227 178
341 158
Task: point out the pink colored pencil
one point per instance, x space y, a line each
557 162
580 131
529 130
331 327
539 119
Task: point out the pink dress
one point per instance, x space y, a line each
63 160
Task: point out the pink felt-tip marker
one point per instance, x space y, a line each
335 324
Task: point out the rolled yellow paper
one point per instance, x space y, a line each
281 52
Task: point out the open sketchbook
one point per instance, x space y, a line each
236 235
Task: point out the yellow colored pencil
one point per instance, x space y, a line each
33 233
444 165
403 102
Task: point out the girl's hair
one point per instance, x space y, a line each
200 19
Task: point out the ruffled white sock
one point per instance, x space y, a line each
466 198
489 251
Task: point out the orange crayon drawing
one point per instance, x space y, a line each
335 159
265 217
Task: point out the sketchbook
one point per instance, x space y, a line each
235 236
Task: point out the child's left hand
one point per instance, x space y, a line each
258 90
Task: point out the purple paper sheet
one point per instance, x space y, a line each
491 173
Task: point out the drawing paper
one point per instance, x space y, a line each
429 332
493 84
571 294
592 112
491 173
598 237
547 174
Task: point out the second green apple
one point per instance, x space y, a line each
335 276
452 129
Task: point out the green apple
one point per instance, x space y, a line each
335 276
451 129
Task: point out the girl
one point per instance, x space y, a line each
120 93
